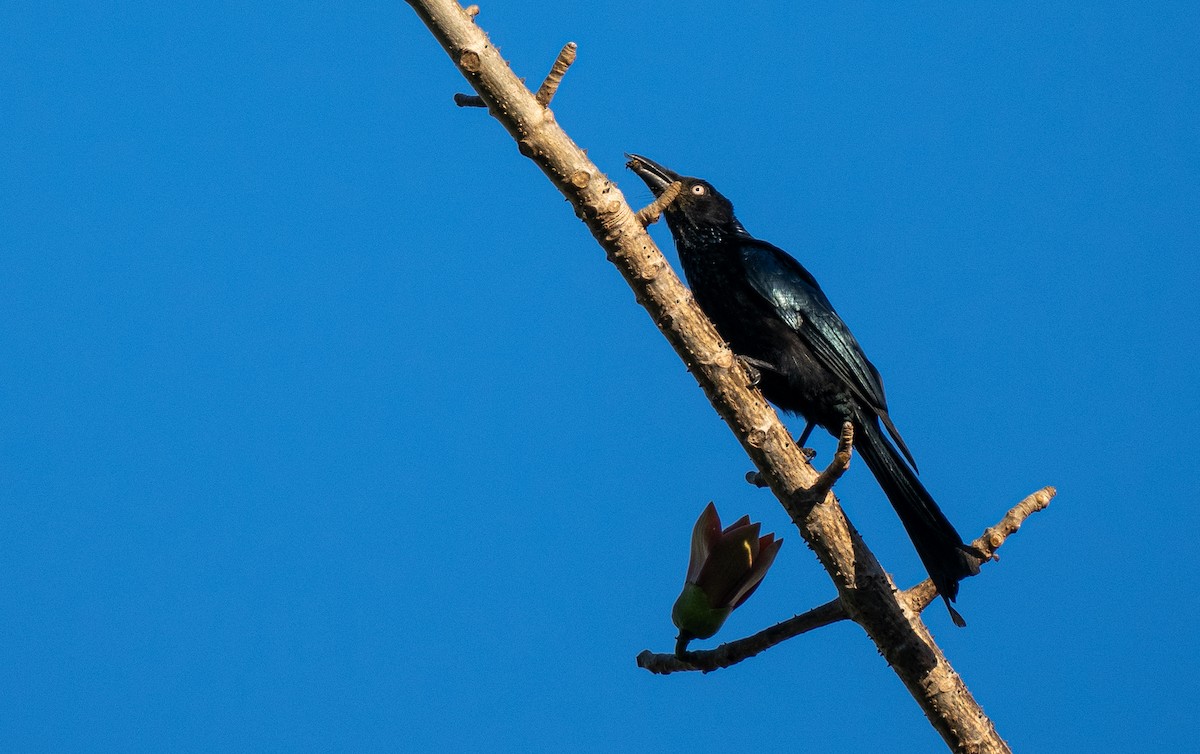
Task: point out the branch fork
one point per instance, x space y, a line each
918 598
836 467
549 87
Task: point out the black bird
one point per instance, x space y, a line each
776 317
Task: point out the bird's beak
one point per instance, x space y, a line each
656 176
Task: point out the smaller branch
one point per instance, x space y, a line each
649 214
469 100
833 472
757 479
920 596
836 467
549 87
734 652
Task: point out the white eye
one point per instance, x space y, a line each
699 190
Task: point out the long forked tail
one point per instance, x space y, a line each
938 544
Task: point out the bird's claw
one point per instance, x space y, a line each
752 371
754 368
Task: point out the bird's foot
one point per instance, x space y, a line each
752 371
754 368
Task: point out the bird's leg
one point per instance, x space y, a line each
808 428
809 453
649 214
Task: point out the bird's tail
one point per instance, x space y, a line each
938 544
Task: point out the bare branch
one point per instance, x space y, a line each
836 467
549 87
920 596
758 480
469 100
649 214
734 652
865 591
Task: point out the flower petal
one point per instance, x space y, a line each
743 521
768 549
728 564
705 534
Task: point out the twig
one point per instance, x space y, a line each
549 87
469 100
649 214
734 652
836 467
920 596
827 478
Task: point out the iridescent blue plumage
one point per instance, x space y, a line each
773 312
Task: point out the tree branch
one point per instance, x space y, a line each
734 652
865 591
836 467
650 214
546 91
919 597
549 86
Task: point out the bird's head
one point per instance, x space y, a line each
699 207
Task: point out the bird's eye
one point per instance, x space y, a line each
699 189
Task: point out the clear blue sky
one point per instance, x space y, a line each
327 427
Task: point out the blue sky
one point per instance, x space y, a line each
327 426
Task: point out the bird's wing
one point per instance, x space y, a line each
795 294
